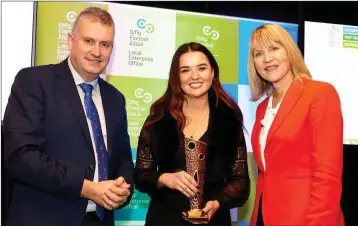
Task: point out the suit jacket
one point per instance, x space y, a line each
304 156
48 149
160 151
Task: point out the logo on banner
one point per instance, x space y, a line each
137 57
141 23
140 94
334 37
208 37
64 27
214 35
71 16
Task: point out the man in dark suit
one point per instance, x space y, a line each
66 141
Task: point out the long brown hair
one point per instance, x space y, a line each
174 97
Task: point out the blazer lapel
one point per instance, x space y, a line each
107 108
290 99
255 137
67 85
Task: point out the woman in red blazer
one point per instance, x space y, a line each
297 138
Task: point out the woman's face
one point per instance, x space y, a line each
271 62
196 74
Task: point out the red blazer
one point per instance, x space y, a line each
304 158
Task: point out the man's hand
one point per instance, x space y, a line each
119 182
110 193
121 189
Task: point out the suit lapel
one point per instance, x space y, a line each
67 85
107 108
288 102
256 132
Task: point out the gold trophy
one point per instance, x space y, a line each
195 152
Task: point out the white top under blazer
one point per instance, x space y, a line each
265 127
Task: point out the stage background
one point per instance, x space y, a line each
146 39
337 46
17 28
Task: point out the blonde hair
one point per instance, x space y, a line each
96 14
266 35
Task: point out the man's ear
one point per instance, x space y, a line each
70 40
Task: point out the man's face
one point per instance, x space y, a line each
91 47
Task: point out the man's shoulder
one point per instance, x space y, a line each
38 68
37 72
45 73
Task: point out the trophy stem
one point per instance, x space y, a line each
195 153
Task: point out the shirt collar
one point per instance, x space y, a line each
78 79
269 106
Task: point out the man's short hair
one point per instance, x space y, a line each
96 14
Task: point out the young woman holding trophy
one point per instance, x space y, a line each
191 156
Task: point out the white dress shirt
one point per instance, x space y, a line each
266 123
96 96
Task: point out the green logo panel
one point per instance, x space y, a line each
352 45
219 35
54 22
140 93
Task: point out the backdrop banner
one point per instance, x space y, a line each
146 39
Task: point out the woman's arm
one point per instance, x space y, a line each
327 157
237 188
146 174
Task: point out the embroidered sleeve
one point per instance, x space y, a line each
237 188
145 159
240 164
145 173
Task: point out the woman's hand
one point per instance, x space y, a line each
210 208
181 181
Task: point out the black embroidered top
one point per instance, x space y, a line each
226 177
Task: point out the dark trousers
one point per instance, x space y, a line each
91 219
260 219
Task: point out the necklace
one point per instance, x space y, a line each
201 122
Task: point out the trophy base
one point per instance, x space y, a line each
197 215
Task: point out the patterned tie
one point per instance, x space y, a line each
92 115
